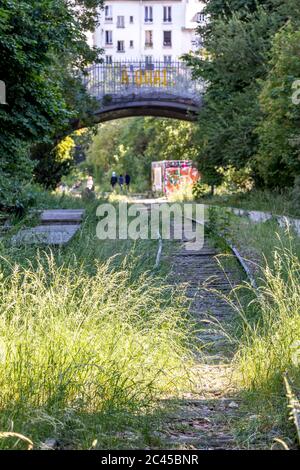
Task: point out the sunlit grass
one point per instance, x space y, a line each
89 344
269 345
184 193
262 238
279 203
116 197
91 340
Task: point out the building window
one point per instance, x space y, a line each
167 38
120 21
131 44
108 38
167 14
131 19
167 59
108 59
120 46
200 18
148 38
108 13
148 14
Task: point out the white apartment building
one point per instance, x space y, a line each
148 30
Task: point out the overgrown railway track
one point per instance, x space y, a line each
205 420
202 418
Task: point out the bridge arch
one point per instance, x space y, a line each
136 88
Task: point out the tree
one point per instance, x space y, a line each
237 47
221 8
237 43
279 150
102 153
43 47
132 144
173 139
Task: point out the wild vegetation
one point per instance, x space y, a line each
92 338
268 345
43 52
248 135
250 64
265 333
132 144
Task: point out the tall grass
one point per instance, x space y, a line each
90 339
277 202
184 193
269 346
257 241
89 344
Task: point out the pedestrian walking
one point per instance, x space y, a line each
121 182
88 194
113 180
90 183
127 180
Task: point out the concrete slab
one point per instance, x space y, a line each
46 234
62 216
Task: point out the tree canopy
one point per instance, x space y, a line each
279 131
239 42
132 144
43 52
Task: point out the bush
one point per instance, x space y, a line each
183 193
87 195
278 155
51 164
295 196
200 190
235 180
15 196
